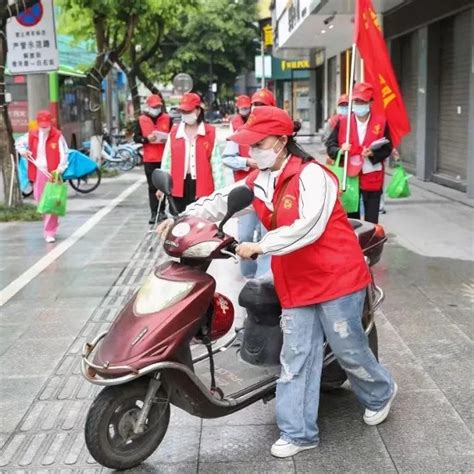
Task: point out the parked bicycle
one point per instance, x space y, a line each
114 156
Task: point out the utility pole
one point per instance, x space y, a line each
262 45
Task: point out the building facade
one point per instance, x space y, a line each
432 51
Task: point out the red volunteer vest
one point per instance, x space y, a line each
153 152
375 130
204 147
52 151
244 150
331 267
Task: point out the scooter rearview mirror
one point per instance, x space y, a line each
162 181
239 198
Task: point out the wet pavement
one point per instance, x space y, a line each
425 338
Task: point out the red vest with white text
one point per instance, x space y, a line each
331 267
244 150
52 151
204 147
153 152
375 130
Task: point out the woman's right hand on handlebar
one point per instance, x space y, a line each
164 228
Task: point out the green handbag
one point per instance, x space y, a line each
398 186
54 198
351 196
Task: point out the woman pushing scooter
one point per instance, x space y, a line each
320 277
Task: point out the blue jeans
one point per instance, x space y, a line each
297 395
248 225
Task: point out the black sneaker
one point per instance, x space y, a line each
152 219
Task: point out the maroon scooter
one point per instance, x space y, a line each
173 343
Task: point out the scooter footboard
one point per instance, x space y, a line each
186 391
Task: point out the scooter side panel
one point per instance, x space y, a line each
140 340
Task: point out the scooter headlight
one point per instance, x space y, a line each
201 250
157 294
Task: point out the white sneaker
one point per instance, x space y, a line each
373 418
50 239
285 449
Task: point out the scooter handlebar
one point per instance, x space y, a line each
233 248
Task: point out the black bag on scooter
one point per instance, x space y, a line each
262 339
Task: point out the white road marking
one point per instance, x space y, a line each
19 283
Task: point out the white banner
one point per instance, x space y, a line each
31 39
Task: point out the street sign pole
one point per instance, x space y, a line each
263 63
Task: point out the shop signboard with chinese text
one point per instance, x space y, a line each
31 39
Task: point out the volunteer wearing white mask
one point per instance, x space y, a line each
192 156
320 277
46 151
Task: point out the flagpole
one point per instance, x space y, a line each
349 118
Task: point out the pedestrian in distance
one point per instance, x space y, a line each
342 110
152 131
364 159
192 155
320 276
46 150
237 157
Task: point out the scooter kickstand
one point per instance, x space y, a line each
153 387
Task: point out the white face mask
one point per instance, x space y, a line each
189 119
265 158
244 111
153 112
45 130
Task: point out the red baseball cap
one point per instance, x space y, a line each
363 91
189 102
344 99
154 100
44 118
264 96
243 101
263 122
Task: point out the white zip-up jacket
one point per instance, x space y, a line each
318 194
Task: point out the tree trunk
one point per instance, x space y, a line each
10 195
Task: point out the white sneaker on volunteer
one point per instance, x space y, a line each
285 449
373 418
50 239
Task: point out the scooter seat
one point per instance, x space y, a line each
260 300
363 230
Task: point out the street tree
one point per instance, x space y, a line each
216 43
112 23
11 194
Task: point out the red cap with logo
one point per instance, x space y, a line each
263 122
344 99
243 101
44 118
265 97
189 102
363 91
154 100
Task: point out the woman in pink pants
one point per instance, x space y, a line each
46 150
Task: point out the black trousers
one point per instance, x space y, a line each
371 201
149 168
189 194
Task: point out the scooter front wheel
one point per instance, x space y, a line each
110 423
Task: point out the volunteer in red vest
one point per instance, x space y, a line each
366 128
237 158
192 155
342 109
263 97
152 131
46 151
320 277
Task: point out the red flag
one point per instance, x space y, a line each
379 71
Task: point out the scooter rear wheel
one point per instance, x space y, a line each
110 421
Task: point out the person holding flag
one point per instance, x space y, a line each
365 131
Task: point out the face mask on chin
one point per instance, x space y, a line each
265 158
189 119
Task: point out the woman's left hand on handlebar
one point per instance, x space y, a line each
164 228
247 249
